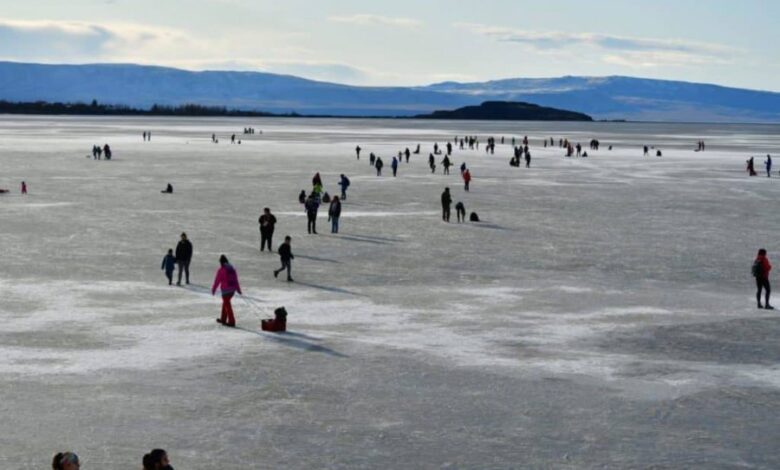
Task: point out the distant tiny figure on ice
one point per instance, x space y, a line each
312 205
24 186
768 165
760 271
466 179
334 213
460 212
750 167
226 279
378 165
344 183
446 202
168 189
357 151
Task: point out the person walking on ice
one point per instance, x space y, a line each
183 257
466 179
286 256
344 183
446 202
761 269
226 280
334 212
168 264
357 151
24 186
768 164
394 166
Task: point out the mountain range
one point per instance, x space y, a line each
613 97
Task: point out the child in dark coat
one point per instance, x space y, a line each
168 264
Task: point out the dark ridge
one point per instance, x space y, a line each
507 111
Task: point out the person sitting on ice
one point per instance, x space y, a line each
168 189
302 196
473 217
276 324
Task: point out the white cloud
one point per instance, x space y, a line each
74 41
365 19
624 50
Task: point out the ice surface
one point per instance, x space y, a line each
601 315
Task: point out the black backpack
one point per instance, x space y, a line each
757 270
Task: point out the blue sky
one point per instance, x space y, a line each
405 42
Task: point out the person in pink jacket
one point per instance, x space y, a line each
227 280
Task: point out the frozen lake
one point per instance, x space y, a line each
602 314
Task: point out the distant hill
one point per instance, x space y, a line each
600 97
507 111
629 98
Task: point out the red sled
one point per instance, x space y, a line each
277 324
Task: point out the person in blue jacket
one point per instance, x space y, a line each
169 264
394 166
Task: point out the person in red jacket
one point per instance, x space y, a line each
227 279
467 178
761 268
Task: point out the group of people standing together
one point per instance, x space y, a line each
99 152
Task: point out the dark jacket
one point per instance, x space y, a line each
168 263
446 199
267 223
312 205
285 252
335 209
184 251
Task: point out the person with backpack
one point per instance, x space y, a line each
344 183
334 212
312 206
226 280
761 269
286 256
267 222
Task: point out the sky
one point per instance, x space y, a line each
410 42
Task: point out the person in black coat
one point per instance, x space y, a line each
267 222
286 256
183 257
446 202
